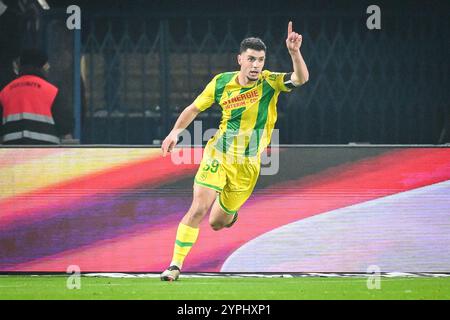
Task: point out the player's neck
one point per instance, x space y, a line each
243 81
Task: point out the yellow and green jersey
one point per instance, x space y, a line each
249 112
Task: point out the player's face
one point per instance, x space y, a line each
252 63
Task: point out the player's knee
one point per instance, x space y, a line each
216 226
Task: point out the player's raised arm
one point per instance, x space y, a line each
183 121
293 44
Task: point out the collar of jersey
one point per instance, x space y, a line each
247 86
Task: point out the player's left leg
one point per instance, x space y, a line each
219 218
240 184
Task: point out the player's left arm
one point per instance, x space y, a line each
293 44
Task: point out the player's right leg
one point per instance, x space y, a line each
188 230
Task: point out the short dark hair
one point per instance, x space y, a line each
252 43
32 57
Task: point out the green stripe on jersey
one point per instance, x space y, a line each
261 119
221 82
233 126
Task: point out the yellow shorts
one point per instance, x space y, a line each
234 181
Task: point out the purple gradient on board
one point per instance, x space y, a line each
96 218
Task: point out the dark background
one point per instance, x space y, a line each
142 62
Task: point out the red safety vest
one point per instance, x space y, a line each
27 110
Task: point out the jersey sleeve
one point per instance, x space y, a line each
206 98
280 81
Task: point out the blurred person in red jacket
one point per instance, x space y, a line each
29 105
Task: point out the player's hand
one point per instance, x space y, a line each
169 143
294 40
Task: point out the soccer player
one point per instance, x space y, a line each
231 160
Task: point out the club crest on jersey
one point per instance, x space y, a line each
241 100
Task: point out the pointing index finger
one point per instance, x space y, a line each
289 27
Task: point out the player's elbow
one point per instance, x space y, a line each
302 82
304 79
299 81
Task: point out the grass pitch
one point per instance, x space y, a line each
27 287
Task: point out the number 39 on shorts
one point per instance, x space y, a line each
212 166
